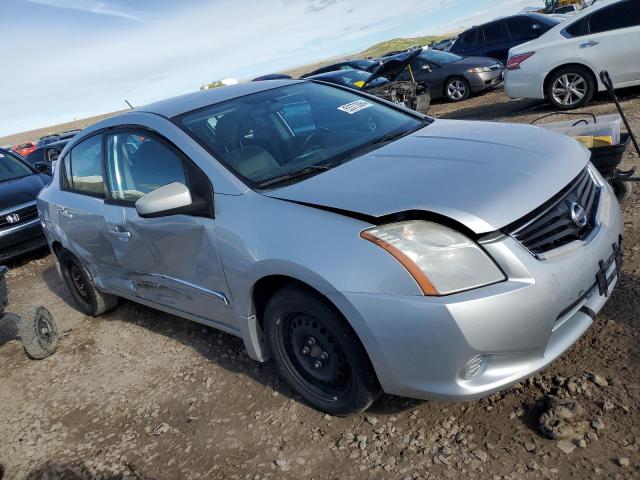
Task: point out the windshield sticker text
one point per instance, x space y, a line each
355 107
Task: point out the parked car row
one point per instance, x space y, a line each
26 148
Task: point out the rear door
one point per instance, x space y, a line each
170 260
608 39
81 210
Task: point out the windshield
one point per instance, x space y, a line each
306 127
12 168
439 57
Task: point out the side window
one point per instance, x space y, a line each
138 164
521 28
579 28
614 17
493 33
83 167
468 38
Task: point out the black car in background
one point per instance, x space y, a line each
56 137
494 39
451 76
42 158
365 65
20 229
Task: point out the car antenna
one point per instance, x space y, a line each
127 102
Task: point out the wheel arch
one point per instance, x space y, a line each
262 291
584 66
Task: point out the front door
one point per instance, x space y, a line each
170 260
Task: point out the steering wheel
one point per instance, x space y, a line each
315 133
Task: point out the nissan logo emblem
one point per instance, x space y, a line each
12 218
578 214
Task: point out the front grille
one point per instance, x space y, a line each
556 223
26 214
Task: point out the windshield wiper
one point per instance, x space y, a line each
390 137
298 173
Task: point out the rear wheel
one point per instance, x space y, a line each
318 353
570 87
457 89
80 284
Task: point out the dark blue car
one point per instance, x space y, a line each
494 39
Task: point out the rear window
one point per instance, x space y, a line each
494 33
467 39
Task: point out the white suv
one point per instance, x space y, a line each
563 65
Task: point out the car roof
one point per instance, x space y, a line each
193 101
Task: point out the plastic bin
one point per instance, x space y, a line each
601 126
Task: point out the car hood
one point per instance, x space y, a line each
391 68
484 175
21 190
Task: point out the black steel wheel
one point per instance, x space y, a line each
80 284
39 333
318 353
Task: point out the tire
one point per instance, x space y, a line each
318 353
622 190
570 87
38 333
457 89
79 282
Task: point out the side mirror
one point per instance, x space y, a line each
171 199
42 167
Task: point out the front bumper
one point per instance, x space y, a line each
486 80
419 346
20 239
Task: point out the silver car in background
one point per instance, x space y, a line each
362 246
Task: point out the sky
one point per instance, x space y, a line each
69 59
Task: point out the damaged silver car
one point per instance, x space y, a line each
360 245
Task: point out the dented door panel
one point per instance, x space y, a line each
174 261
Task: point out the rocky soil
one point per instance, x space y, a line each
138 394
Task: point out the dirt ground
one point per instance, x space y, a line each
139 394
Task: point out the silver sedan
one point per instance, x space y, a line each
361 246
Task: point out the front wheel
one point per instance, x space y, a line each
457 89
570 87
318 353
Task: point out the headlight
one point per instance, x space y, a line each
479 70
440 259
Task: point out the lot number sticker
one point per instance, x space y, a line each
355 107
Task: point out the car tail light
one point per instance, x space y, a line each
513 63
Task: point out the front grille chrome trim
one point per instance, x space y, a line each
551 226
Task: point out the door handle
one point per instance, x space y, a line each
591 43
65 212
120 233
